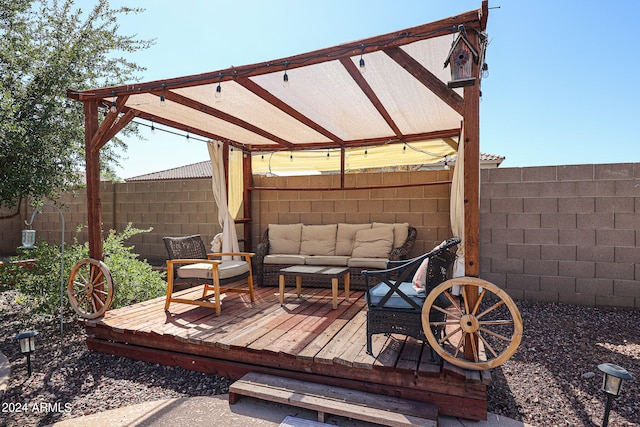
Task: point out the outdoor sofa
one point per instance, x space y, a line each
357 246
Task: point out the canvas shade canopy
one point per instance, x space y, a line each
328 104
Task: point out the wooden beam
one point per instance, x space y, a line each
355 73
94 205
427 78
98 139
247 183
188 102
470 19
278 103
123 121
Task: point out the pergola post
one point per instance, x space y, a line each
92 156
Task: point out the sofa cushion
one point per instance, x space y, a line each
346 237
332 260
284 259
285 238
226 269
373 243
400 232
318 239
368 263
377 293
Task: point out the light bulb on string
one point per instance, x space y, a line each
153 129
363 66
162 101
219 87
285 78
113 107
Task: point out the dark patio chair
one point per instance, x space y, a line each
394 306
190 265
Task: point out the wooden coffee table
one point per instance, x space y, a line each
333 273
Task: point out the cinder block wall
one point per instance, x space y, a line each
563 233
558 233
425 207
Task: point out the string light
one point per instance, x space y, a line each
363 67
162 102
153 129
187 136
219 88
285 78
113 108
67 107
446 163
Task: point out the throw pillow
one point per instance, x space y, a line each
373 243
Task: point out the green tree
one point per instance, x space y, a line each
47 47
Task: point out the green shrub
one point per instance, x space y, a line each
134 279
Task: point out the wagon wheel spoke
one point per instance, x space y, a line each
488 328
90 288
490 309
486 344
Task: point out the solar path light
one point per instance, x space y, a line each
27 345
612 384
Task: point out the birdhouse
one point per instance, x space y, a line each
461 58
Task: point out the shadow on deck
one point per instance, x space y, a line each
304 339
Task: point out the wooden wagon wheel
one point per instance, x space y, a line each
90 288
492 327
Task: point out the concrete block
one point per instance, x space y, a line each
523 282
396 205
543 296
627 188
370 206
615 204
523 220
558 252
279 206
595 221
576 173
410 217
595 188
492 191
526 189
515 294
615 270
541 267
615 238
493 220
576 205
594 286
539 174
629 254
542 236
558 220
301 206
614 301
626 288
557 284
578 269
494 250
498 279
505 174
333 218
577 237
540 205
627 221
294 218
615 171
595 253
507 236
522 251
423 205
507 266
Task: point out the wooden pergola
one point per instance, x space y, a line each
403 97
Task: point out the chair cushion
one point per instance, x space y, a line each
327 260
226 270
284 259
375 295
377 263
285 238
373 243
318 239
400 232
346 237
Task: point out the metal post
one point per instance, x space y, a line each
607 407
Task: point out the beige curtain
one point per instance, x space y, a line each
456 210
236 184
219 186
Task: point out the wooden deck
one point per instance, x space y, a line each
303 339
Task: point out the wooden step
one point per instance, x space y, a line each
344 402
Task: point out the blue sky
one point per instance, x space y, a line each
562 86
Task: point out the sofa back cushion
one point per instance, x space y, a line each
318 239
373 243
346 237
400 232
285 238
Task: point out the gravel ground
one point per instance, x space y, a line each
545 383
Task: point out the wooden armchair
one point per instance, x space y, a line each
394 305
189 265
